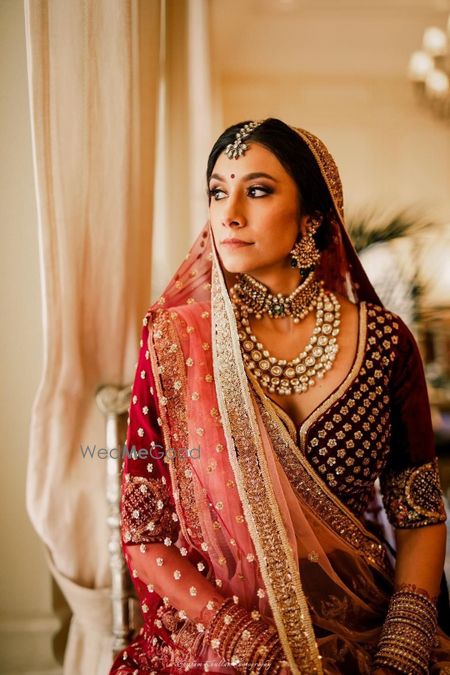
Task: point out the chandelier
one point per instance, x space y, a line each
429 70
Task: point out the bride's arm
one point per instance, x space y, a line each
421 557
412 497
173 577
420 562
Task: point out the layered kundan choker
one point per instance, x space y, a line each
251 297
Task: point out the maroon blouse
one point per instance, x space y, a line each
377 424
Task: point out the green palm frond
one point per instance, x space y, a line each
370 227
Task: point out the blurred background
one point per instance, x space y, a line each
108 111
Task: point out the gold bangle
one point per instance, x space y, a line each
214 627
408 652
235 637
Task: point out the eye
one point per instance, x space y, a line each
257 191
216 193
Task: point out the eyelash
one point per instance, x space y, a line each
213 191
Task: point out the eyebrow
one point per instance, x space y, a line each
248 176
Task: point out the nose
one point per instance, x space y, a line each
233 216
231 222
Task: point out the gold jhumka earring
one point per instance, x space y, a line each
305 255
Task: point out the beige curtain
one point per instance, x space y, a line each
190 121
121 124
93 82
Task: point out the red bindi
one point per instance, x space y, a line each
232 175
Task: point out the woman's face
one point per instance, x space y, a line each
254 199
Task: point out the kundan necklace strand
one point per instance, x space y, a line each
299 374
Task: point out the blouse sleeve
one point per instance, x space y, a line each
147 506
410 482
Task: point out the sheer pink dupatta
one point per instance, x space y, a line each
211 490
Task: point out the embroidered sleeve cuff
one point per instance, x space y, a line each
147 514
413 497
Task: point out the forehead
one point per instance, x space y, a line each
256 158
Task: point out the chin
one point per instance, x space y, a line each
238 266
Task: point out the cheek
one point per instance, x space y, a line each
280 224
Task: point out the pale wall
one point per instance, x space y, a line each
390 151
339 70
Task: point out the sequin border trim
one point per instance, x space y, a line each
174 417
279 570
328 169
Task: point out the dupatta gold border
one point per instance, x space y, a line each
166 358
279 568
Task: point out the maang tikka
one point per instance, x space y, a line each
305 255
238 148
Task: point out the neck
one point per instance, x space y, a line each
283 281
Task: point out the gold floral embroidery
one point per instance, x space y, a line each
330 400
365 415
327 167
277 564
172 384
147 515
316 493
413 497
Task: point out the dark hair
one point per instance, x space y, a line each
297 159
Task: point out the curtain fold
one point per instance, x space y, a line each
189 121
94 72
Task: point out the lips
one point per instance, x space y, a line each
238 242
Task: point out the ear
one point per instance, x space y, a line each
310 222
305 225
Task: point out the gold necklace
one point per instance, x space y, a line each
299 374
255 298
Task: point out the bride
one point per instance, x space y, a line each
284 390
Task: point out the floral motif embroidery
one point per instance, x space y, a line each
318 496
351 431
327 166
